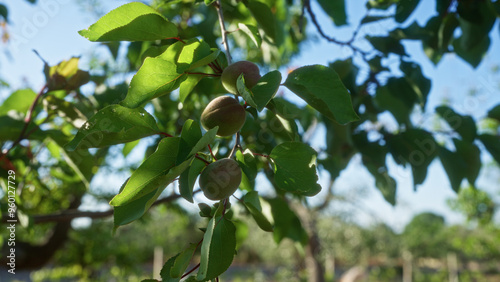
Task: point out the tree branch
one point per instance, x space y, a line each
71 214
223 30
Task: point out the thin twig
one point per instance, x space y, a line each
223 30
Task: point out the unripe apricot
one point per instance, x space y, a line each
231 73
224 112
220 179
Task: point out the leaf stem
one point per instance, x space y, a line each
191 270
27 121
211 153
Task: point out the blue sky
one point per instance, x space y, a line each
51 29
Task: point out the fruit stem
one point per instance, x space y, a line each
237 145
211 153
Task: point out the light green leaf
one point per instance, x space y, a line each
19 101
187 86
188 178
156 172
134 210
131 22
252 32
217 249
266 88
295 168
182 261
244 91
322 88
155 78
113 125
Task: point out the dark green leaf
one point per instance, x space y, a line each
404 9
131 22
286 223
494 113
335 9
373 156
114 125
415 147
252 202
492 144
387 44
295 168
155 78
463 125
446 30
19 101
420 84
264 17
4 12
474 55
266 88
248 163
188 179
370 19
398 97
252 32
454 166
217 249
190 136
471 155
322 88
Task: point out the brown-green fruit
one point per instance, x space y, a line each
220 179
232 72
224 112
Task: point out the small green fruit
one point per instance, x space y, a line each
220 179
224 112
232 72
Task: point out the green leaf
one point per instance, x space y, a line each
188 179
131 22
387 44
336 10
266 88
322 88
252 203
247 162
370 19
217 249
264 17
463 125
129 147
182 261
286 223
19 101
471 155
398 97
286 115
252 32
155 78
244 91
474 55
156 172
492 144
113 125
204 141
415 147
209 2
454 166
195 54
295 168
167 267
404 9
62 108
373 156
420 84
4 12
131 211
190 136
446 30
187 86
494 113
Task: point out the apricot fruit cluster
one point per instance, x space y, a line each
220 179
